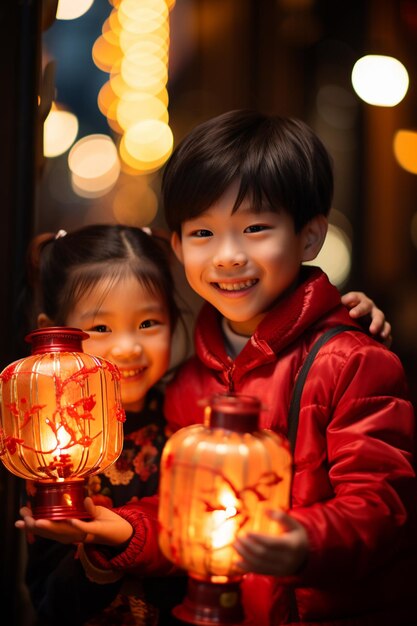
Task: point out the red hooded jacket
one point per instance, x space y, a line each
354 486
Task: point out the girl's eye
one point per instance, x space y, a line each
256 228
201 232
149 323
100 328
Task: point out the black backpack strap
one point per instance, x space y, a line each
294 410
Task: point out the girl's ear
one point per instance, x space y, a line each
176 245
313 236
44 321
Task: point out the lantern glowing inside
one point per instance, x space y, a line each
61 419
217 483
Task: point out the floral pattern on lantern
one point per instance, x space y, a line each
218 482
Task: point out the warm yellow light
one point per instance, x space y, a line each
113 22
132 110
146 52
133 49
142 17
95 187
110 34
148 28
56 408
222 525
149 74
133 166
112 121
105 54
405 149
148 141
380 80
135 203
158 38
163 96
219 507
59 132
151 43
94 164
118 84
106 97
71 9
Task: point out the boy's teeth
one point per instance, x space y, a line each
236 286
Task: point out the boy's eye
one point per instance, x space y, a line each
201 232
100 328
149 323
256 228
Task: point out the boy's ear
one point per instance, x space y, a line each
44 321
176 245
314 233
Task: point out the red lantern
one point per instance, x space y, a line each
217 483
61 419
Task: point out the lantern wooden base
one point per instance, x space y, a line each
56 501
211 603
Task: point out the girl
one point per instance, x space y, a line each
115 283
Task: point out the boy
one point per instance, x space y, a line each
247 197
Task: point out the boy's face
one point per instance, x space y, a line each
243 262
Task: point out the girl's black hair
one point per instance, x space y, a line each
279 162
63 269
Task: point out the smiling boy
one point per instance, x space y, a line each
247 198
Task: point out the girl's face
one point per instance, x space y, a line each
129 326
242 262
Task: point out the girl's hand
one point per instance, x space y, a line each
282 555
104 527
360 305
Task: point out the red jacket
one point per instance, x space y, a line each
354 486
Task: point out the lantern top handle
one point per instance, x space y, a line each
234 412
56 339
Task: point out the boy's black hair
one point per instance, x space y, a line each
280 162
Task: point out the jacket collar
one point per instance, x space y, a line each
290 317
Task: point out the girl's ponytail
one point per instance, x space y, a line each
34 255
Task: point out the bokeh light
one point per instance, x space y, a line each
135 203
149 140
59 132
405 150
94 165
71 9
380 80
133 49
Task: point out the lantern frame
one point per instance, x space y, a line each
218 482
61 420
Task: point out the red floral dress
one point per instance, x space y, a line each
135 474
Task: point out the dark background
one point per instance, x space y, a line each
279 56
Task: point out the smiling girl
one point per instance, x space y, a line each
113 282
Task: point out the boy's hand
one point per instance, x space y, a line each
104 527
360 305
282 555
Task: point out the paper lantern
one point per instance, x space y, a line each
218 481
61 419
